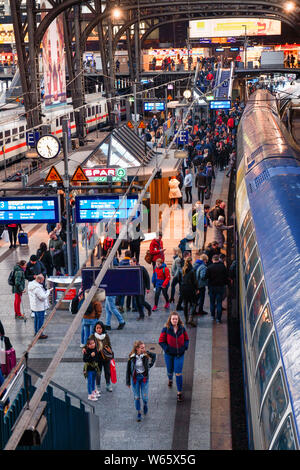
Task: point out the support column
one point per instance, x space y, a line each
79 80
33 63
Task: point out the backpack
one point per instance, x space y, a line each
209 171
11 278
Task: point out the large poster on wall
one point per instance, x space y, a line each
234 27
54 62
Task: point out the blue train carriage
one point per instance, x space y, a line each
267 209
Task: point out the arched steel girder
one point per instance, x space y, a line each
45 23
186 17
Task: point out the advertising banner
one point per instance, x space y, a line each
234 27
54 62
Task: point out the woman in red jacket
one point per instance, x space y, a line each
157 250
174 341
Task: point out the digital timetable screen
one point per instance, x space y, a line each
28 209
218 104
104 207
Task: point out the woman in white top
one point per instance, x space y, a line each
174 192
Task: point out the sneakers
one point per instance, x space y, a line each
167 305
109 388
43 337
145 409
121 326
96 393
32 315
149 312
179 397
139 417
19 317
154 308
107 327
92 397
170 383
82 345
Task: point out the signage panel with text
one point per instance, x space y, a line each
29 209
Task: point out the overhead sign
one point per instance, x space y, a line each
219 104
102 175
53 175
32 138
182 138
28 209
154 105
234 27
104 207
79 175
122 280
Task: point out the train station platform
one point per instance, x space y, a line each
200 422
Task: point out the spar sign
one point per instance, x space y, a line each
102 175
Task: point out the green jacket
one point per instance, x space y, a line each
19 280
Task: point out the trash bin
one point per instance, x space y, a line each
60 284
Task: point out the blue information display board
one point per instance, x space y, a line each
154 106
29 209
122 280
219 104
102 207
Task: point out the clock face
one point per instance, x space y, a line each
48 146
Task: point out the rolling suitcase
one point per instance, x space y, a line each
10 361
23 238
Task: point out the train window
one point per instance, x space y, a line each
248 249
257 305
286 437
262 331
245 223
7 139
89 112
57 122
253 283
72 117
21 130
61 120
250 266
273 409
15 134
97 109
247 234
93 110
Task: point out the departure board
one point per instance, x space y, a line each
104 207
29 209
218 104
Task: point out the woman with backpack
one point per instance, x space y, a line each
200 268
17 281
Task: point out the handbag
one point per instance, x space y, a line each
107 353
5 236
2 351
148 257
113 372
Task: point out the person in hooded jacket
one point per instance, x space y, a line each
176 272
160 280
34 267
19 287
200 268
188 290
38 298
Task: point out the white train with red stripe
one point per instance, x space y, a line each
13 125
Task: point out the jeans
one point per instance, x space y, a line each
188 194
201 297
216 296
38 320
140 388
87 328
175 365
110 308
157 294
174 283
12 233
201 192
91 381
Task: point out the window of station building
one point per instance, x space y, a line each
258 303
248 249
286 437
246 236
7 139
273 409
253 283
250 266
262 331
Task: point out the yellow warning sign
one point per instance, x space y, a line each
130 125
142 125
79 175
53 175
